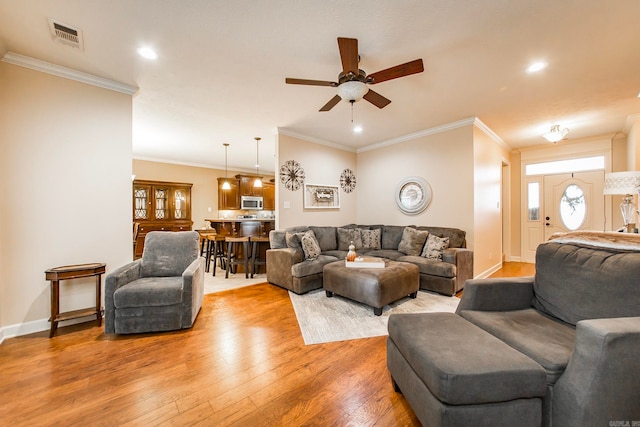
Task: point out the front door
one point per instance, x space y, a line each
573 201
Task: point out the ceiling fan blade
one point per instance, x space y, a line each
309 82
376 99
332 103
402 70
348 55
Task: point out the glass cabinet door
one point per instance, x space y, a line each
141 202
180 204
162 203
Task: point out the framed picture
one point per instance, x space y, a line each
321 196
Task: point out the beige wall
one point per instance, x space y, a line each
65 174
322 165
487 194
444 160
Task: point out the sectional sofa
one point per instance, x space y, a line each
289 266
557 349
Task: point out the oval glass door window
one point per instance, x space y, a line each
573 209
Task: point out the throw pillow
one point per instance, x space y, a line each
370 238
310 245
293 240
412 241
348 235
435 246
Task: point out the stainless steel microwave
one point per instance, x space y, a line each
250 202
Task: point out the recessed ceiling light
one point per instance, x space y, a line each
147 52
357 129
536 66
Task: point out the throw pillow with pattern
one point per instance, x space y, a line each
435 246
348 235
370 238
310 245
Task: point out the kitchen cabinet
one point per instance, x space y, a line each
268 196
246 186
159 206
228 199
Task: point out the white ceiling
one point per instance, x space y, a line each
222 64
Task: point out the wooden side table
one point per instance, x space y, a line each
55 275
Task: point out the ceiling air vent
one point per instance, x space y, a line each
66 34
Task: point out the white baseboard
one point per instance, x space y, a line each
489 271
34 326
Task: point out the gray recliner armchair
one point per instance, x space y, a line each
162 291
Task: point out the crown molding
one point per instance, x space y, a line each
431 131
631 119
68 73
263 171
490 133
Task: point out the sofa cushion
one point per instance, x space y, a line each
336 253
431 267
348 235
277 239
309 267
310 245
575 282
455 235
293 240
434 247
392 254
391 236
169 254
149 291
326 237
412 241
547 341
371 238
460 363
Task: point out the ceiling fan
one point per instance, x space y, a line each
352 81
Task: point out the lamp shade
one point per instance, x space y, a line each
352 90
621 182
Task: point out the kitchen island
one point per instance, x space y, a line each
242 227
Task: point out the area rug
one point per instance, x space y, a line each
324 319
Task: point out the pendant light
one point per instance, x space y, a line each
225 184
258 182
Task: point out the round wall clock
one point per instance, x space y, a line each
413 195
291 175
347 180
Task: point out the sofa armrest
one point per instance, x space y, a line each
279 263
462 258
600 383
498 294
117 278
192 291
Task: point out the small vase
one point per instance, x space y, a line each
351 255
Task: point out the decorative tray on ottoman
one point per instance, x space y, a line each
365 262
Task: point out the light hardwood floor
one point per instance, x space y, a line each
244 363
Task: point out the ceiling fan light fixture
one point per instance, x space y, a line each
555 134
352 91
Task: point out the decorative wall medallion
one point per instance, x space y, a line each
291 175
347 180
413 195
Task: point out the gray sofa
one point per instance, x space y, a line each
572 353
288 268
162 291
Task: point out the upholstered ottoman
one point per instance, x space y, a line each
376 287
453 373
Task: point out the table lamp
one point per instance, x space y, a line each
626 184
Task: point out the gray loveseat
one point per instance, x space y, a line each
288 268
572 353
162 291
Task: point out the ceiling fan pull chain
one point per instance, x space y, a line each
352 102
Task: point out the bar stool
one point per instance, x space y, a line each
203 240
255 252
215 250
233 243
